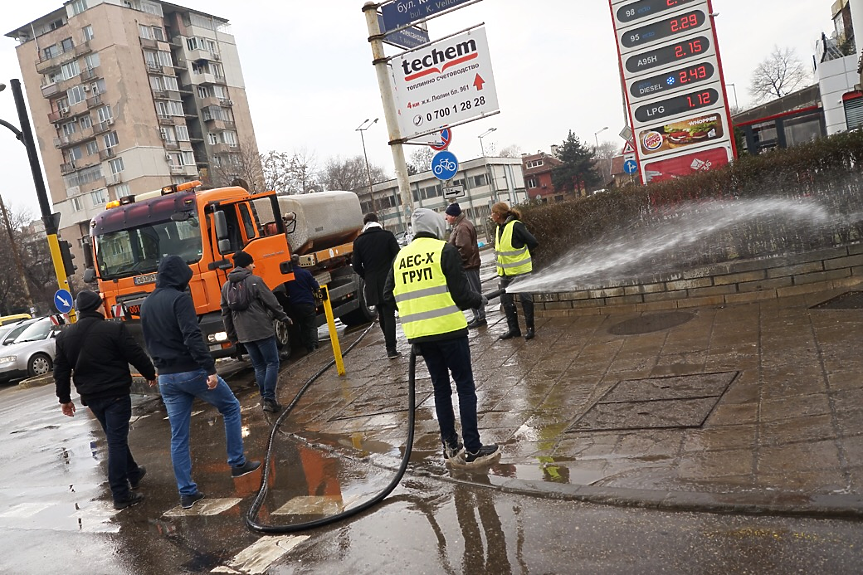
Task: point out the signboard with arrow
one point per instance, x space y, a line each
443 84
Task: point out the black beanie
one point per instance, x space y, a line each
242 259
453 210
87 301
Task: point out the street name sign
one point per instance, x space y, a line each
407 38
403 12
443 84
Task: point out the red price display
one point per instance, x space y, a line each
663 29
655 85
668 54
646 8
676 105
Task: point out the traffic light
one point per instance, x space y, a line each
68 256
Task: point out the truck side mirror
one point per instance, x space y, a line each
89 275
221 227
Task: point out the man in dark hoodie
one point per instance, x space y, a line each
250 321
374 251
301 293
96 354
186 371
428 284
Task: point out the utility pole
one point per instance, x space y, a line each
379 60
17 256
51 220
362 128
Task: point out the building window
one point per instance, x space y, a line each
99 197
51 51
182 133
188 159
534 164
92 148
87 33
85 122
170 83
165 58
168 135
122 190
79 6
531 182
212 138
479 180
203 92
116 165
111 140
105 114
75 154
69 128
92 60
67 45
220 92
75 95
70 69
77 204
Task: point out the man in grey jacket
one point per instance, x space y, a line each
250 322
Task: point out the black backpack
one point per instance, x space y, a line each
237 296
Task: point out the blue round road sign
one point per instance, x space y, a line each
444 165
630 166
63 301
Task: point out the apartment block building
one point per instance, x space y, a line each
128 96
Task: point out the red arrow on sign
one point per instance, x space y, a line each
478 82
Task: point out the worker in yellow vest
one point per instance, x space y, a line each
512 245
429 286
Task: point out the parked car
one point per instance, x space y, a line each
10 331
6 319
31 353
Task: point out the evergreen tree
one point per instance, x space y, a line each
578 172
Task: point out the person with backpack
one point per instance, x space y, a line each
303 307
96 354
249 308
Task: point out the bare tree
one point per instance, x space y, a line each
511 151
421 159
777 75
289 173
242 166
36 261
604 155
349 174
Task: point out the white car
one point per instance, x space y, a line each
31 353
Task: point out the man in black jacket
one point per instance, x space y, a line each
374 252
96 354
186 371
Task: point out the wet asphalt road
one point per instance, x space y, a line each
55 513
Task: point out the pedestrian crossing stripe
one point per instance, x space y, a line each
316 505
204 507
257 557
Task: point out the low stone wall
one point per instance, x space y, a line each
719 284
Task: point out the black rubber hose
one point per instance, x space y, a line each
252 513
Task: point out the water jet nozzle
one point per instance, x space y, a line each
491 295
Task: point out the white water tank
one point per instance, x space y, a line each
323 219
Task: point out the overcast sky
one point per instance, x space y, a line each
310 82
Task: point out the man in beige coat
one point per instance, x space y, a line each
463 237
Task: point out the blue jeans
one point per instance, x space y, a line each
179 391
113 414
441 358
264 354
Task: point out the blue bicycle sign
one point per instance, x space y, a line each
444 165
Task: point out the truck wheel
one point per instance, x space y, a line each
283 337
363 314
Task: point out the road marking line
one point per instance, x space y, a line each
257 557
26 509
204 507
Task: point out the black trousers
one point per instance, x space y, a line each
508 301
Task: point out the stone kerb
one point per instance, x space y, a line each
723 283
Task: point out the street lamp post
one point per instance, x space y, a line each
483 135
596 136
734 89
51 220
362 128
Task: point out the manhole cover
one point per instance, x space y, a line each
656 402
651 323
847 300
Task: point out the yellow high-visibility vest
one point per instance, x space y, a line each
510 261
425 304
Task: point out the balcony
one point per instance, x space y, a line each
166 120
50 89
72 139
67 168
44 65
219 148
61 142
73 191
83 48
90 73
172 145
94 101
154 67
226 103
59 116
114 179
103 127
107 154
207 79
148 43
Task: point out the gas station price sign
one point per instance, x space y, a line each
667 28
669 62
646 9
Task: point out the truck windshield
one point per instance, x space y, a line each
135 251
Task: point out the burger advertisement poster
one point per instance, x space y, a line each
681 134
